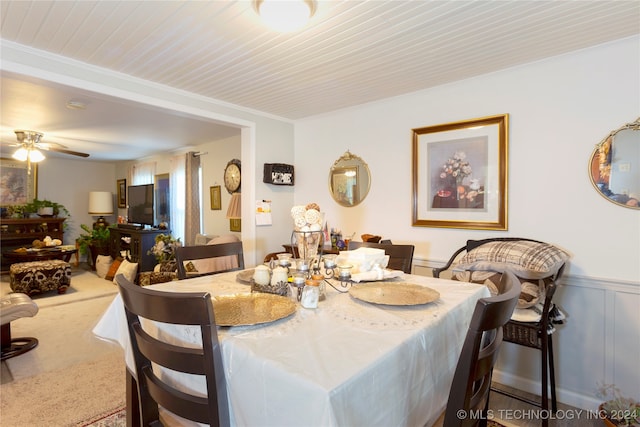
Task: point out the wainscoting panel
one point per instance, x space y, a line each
598 344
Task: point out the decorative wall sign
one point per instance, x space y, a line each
460 174
278 174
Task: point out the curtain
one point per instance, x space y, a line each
177 185
192 198
142 173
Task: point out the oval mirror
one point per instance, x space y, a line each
349 180
615 166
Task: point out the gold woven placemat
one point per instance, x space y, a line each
251 309
394 293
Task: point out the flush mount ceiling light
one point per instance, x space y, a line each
285 15
76 105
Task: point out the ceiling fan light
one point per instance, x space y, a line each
21 154
36 156
285 15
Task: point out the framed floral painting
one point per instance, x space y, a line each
460 174
18 184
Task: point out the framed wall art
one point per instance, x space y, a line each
18 186
122 193
460 174
216 202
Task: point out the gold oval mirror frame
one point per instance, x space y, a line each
349 180
614 167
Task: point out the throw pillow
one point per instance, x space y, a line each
113 269
103 263
532 293
529 260
128 269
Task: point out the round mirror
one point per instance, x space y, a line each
615 166
349 180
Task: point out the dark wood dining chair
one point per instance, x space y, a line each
400 256
183 309
537 335
184 254
469 393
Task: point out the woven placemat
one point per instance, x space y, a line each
394 293
251 309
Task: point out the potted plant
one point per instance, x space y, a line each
94 241
46 208
617 410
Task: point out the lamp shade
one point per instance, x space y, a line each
235 207
100 203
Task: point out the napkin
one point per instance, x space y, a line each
373 275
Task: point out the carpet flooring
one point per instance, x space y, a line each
71 375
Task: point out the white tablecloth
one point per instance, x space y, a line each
346 363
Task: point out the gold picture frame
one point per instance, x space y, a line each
235 224
122 193
460 174
216 200
18 185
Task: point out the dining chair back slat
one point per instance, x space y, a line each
400 256
184 254
469 393
194 309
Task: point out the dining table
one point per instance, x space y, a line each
348 362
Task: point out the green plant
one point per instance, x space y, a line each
16 211
36 204
93 237
622 411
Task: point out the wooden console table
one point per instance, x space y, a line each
21 232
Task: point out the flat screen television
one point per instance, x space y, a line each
141 208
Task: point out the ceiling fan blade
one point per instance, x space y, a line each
62 150
50 145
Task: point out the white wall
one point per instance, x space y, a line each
69 181
559 110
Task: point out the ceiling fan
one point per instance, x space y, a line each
29 145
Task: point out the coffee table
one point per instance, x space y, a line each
39 254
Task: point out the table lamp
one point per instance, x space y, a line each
100 204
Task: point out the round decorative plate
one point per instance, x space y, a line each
251 309
394 293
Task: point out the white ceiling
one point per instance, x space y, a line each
352 52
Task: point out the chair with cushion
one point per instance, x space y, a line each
209 259
189 309
400 256
13 307
538 266
469 393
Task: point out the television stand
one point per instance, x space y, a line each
131 226
136 250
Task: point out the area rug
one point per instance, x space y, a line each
115 418
66 397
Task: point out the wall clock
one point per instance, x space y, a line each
232 176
